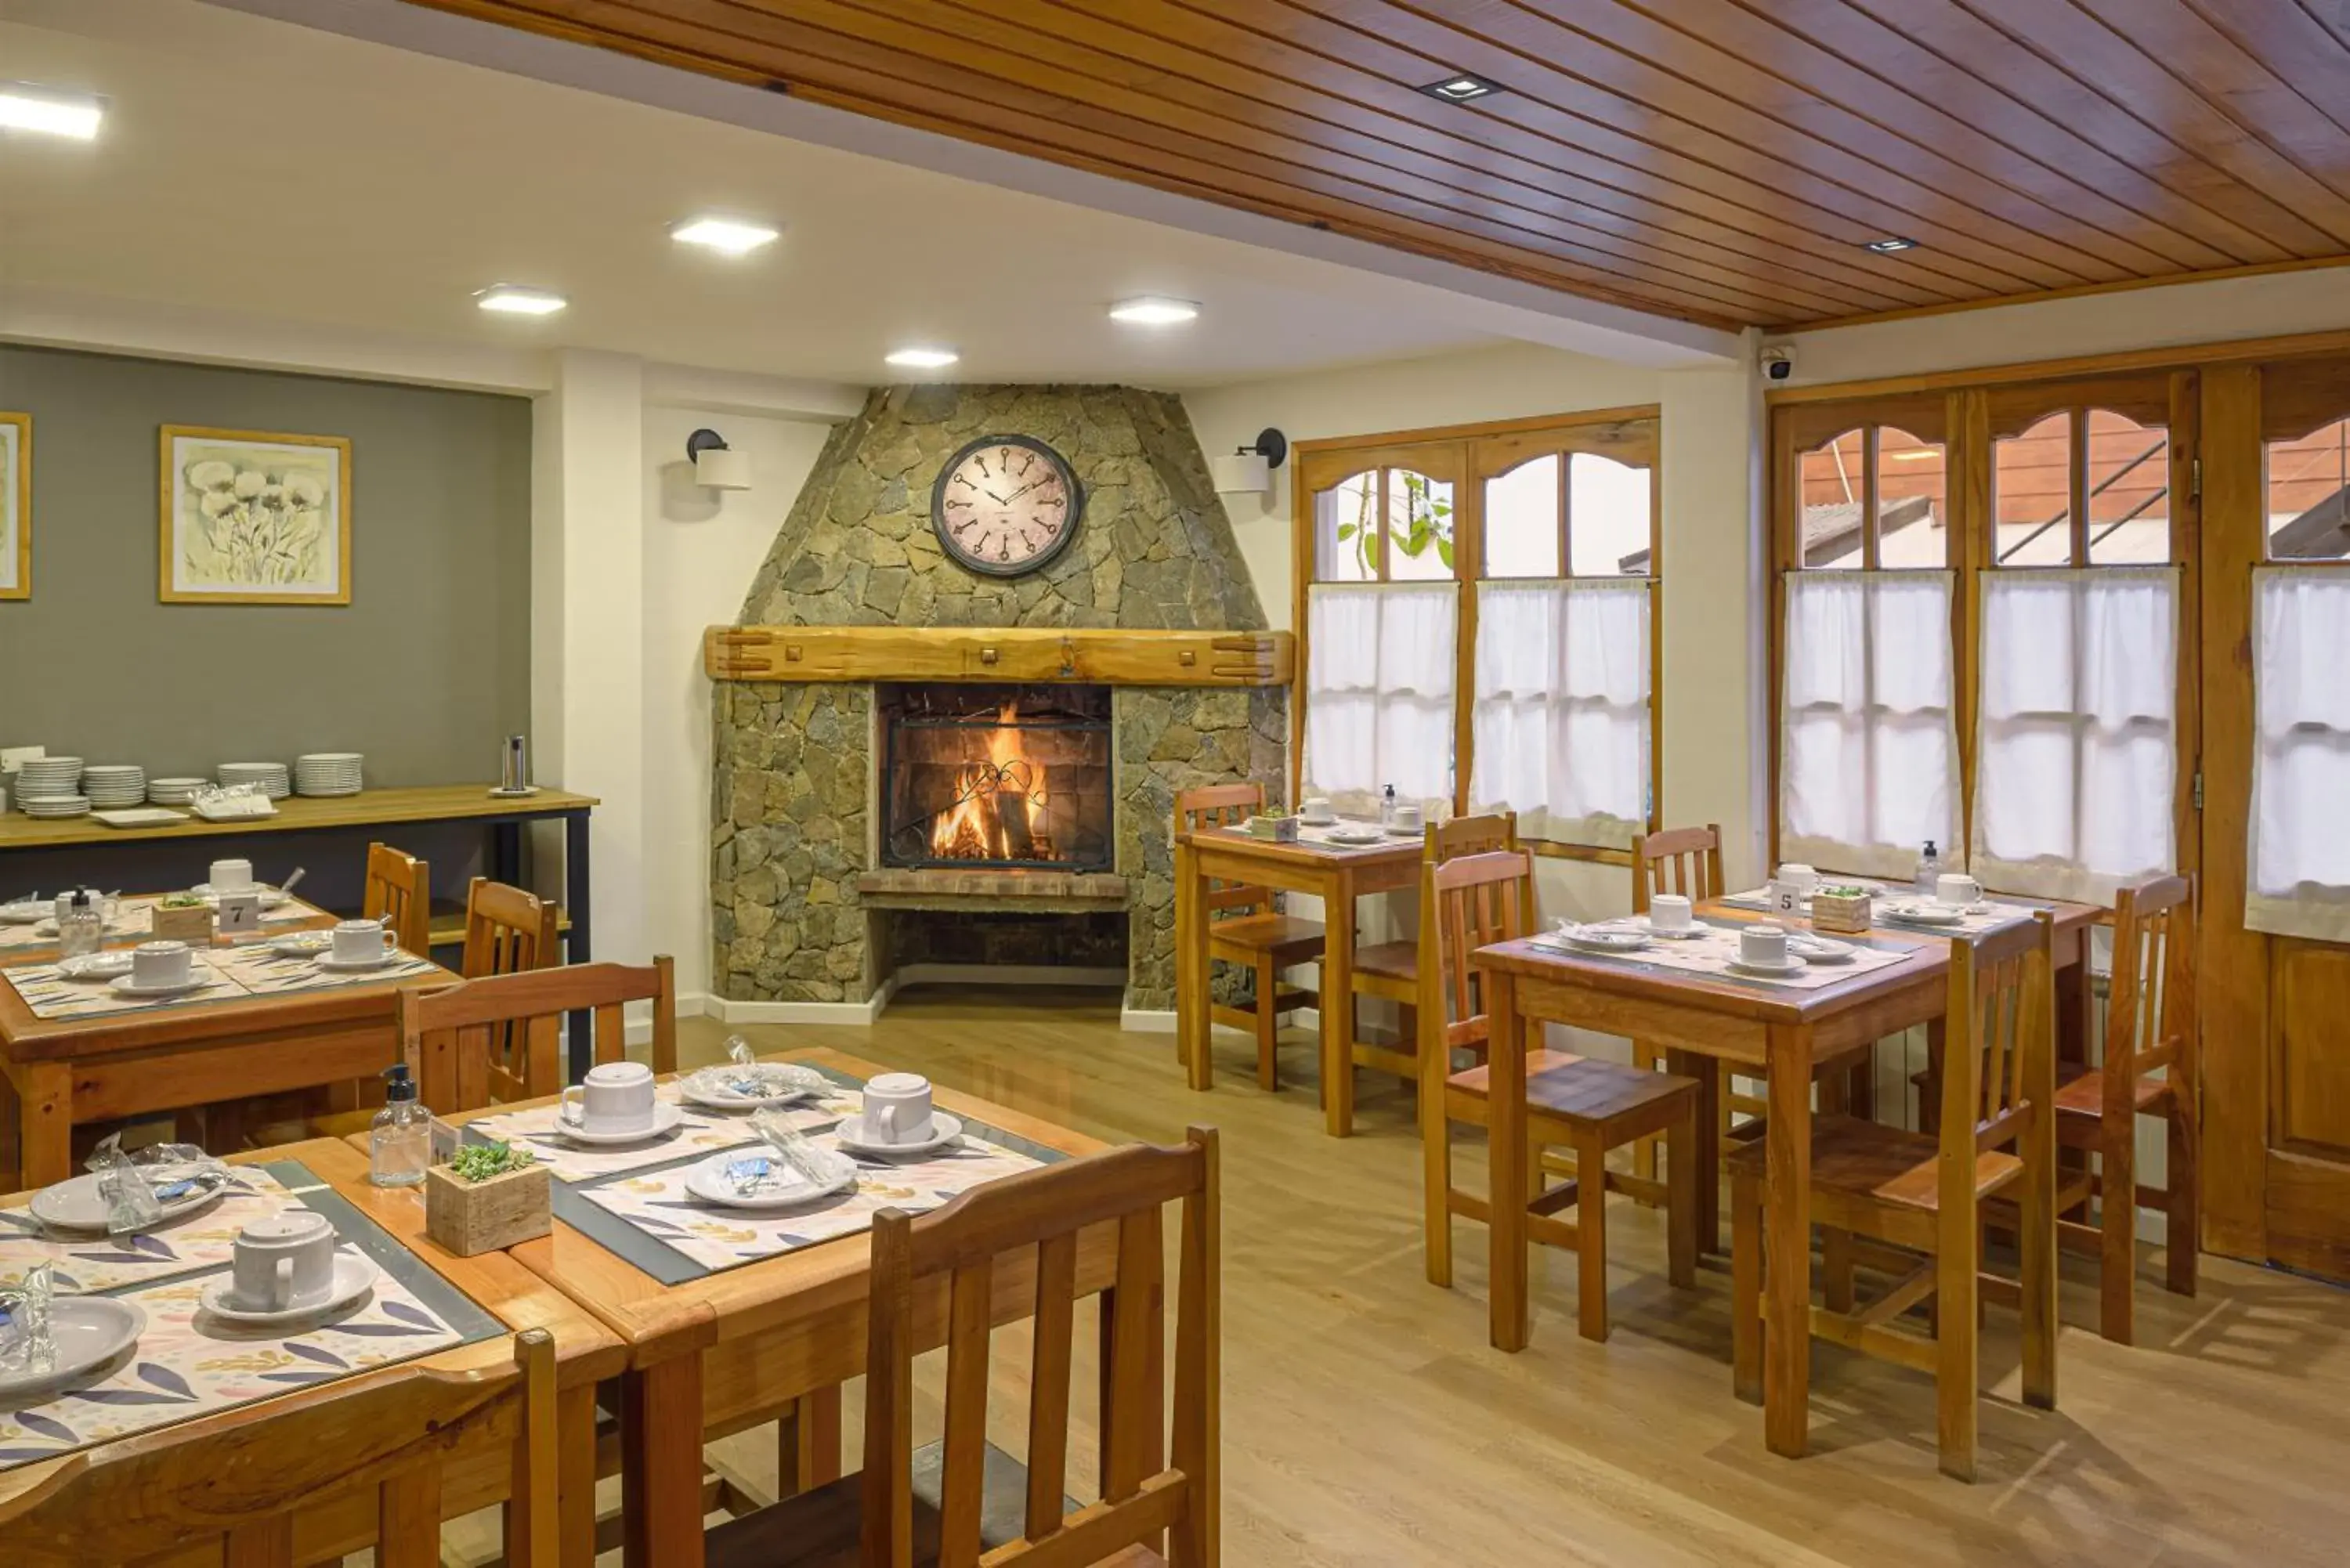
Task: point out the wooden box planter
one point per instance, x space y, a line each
1281 829
486 1216
1847 914
192 924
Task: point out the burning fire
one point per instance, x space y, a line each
999 810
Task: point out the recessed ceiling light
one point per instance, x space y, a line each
1154 310
509 300
1461 89
25 107
923 358
1892 244
731 237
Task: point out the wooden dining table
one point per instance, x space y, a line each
479 1473
1773 1032
768 1340
1336 874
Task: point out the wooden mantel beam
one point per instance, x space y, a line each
1112 658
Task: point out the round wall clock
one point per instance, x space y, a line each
1006 504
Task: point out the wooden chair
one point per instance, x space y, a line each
948 1269
233 1481
447 1034
1571 1102
1925 1194
509 931
2150 1026
1687 861
1244 930
399 892
1392 971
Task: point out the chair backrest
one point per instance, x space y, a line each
1999 1050
1039 1214
1479 900
446 1034
2150 1009
399 892
238 1478
1684 861
1225 806
509 931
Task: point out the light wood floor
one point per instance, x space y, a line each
1367 1421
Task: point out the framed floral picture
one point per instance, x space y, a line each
251 518
15 507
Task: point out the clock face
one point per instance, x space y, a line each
1006 504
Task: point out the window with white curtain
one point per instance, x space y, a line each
1561 720
2299 874
1868 761
1379 693
2075 742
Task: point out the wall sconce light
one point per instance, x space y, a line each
1250 468
717 466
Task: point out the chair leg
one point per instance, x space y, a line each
1591 1229
1436 1161
2118 1230
2183 1235
1836 1269
1955 1372
1681 1195
1746 1288
1644 1148
1268 1025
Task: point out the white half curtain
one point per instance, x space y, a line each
2076 758
1379 693
1561 707
2300 882
1868 756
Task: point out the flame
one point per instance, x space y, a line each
976 827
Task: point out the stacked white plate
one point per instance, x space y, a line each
271 776
174 792
51 776
111 784
328 773
47 805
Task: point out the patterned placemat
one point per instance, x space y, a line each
134 921
1996 909
229 974
701 1132
188 1363
89 1261
1709 953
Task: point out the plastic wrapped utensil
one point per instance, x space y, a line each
27 1343
743 1077
136 1186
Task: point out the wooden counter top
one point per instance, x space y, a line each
369 808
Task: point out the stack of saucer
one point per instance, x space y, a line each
271 776
111 784
328 773
174 792
47 776
45 806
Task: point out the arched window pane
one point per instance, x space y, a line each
2031 493
1419 527
1607 517
2309 495
1912 500
1344 528
1833 482
1521 521
2129 491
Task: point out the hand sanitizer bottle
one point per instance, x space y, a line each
400 1144
81 927
1929 872
1387 806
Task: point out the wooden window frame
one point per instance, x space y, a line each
1632 435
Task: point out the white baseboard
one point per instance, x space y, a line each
1006 974
857 1013
1146 1020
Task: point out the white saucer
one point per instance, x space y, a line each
1688 933
1818 950
1927 914
113 928
270 897
944 1130
328 961
125 986
1590 941
790 1094
302 944
1772 971
704 1181
1357 836
26 914
667 1119
75 1203
353 1277
94 966
89 1331
1318 822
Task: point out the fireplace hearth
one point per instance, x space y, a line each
996 776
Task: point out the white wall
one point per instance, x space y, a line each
700 549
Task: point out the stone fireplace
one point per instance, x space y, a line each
919 764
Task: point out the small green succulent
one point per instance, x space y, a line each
478 1162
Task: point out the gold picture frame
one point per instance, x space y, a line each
15 507
253 517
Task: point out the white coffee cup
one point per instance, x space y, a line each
283 1263
1669 912
1407 818
1799 877
230 876
1315 810
615 1097
1766 945
898 1108
99 901
361 941
155 965
1958 889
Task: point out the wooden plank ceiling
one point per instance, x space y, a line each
1726 161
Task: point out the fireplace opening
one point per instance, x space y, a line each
996 776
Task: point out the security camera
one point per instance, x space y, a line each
1778 361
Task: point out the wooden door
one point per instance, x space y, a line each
2276 1007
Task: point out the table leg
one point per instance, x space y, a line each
1338 1006
1704 1145
1193 1031
574 1469
44 1123
505 853
1787 1233
807 1450
1505 1144
660 1463
2072 1004
579 946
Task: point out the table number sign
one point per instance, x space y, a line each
240 914
1786 900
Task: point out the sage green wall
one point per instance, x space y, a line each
423 671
